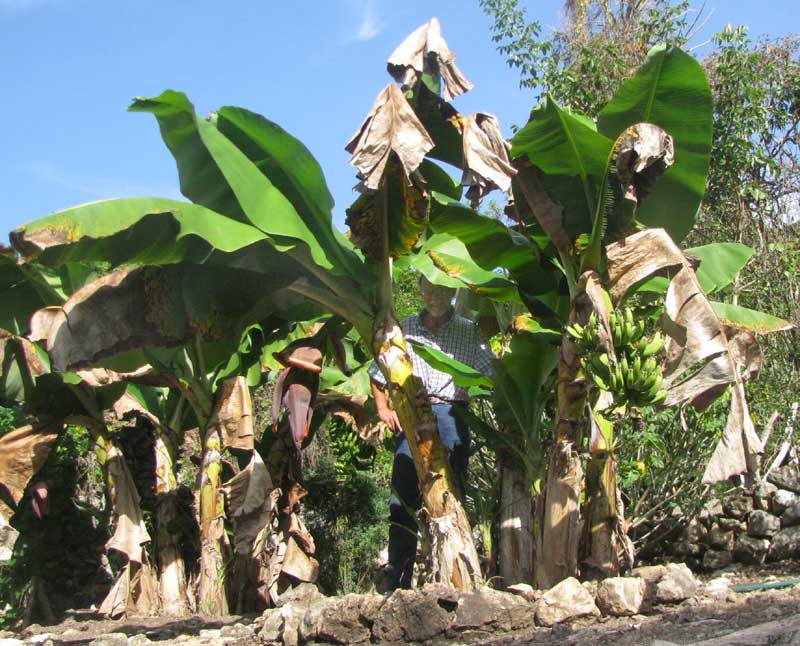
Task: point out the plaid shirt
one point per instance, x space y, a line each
460 339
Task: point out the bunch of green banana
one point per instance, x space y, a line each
635 378
625 330
585 337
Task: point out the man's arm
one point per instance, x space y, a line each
386 413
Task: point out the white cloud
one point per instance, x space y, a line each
97 188
370 25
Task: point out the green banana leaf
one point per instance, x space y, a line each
215 173
133 231
720 263
463 375
493 245
444 254
670 90
743 317
572 156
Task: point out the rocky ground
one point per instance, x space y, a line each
709 613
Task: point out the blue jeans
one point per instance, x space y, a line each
406 497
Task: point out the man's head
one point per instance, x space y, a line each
437 298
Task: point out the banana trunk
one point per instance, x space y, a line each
211 593
516 548
172 570
558 558
454 557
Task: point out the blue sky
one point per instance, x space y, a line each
70 68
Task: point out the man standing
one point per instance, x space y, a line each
438 327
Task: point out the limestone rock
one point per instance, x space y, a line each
762 524
711 510
525 591
303 594
786 477
732 524
492 609
720 539
342 620
412 616
677 584
694 531
784 499
235 631
738 505
143 640
751 550
620 596
281 625
651 575
110 639
565 601
686 548
717 559
791 516
785 545
762 495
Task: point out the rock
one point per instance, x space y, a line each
210 633
143 640
785 545
110 639
720 539
786 477
717 559
565 601
281 625
762 495
784 499
791 516
412 616
732 524
651 575
685 548
738 505
762 524
711 510
718 588
304 594
492 609
40 638
10 641
677 584
694 531
620 596
751 550
237 631
341 620
525 591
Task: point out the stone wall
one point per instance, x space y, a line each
746 526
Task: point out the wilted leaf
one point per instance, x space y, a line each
130 533
390 127
297 564
746 352
23 452
399 205
643 152
699 363
739 445
486 163
424 54
252 500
